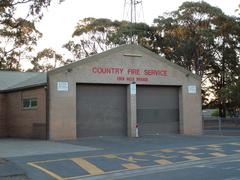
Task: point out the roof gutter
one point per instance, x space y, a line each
23 88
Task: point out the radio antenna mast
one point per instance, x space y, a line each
132 5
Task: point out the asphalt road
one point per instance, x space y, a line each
229 170
156 157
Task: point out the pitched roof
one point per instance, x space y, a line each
128 47
11 80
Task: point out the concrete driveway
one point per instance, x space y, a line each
20 147
12 148
216 157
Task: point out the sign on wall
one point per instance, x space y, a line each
133 88
62 86
130 74
192 89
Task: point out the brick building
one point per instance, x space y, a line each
108 94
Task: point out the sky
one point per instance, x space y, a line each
60 20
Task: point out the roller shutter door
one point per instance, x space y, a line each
157 110
101 110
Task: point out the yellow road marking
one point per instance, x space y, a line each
150 151
87 166
55 176
185 152
129 159
216 149
214 145
217 154
113 156
193 158
163 162
131 166
110 156
192 148
124 170
237 144
140 153
167 150
162 156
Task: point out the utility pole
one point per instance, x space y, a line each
223 82
132 4
134 10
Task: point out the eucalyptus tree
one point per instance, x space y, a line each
18 34
204 40
46 60
231 94
93 35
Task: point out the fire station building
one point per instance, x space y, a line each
108 94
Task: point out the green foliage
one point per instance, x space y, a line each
93 35
215 113
231 94
8 7
204 40
18 35
187 35
47 60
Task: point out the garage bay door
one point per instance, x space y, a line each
101 110
157 110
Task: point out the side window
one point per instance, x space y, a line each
29 103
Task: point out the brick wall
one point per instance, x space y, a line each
26 123
2 115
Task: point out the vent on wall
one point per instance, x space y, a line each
133 55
